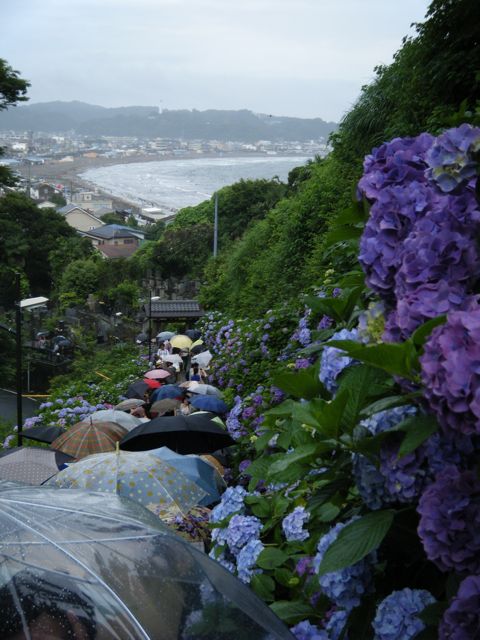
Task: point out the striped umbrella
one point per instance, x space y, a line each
85 438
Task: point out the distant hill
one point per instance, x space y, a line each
212 124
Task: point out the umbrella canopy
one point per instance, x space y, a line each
152 384
205 390
163 406
85 438
31 465
181 342
168 391
199 471
209 403
203 359
141 338
193 334
164 335
43 433
138 475
199 348
196 433
137 389
125 420
128 405
157 374
172 357
107 568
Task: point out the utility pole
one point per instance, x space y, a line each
215 228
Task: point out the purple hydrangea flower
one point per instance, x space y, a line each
292 525
451 158
347 586
461 621
304 566
451 373
449 526
397 615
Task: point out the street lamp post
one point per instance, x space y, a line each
27 303
152 299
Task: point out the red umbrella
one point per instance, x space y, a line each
157 374
152 384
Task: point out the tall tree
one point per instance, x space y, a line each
13 89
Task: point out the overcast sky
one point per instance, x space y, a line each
306 58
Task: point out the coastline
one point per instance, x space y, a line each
68 174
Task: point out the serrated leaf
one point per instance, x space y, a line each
418 429
292 612
356 540
361 383
271 557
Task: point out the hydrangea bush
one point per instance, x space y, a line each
357 502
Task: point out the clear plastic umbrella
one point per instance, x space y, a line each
205 390
85 565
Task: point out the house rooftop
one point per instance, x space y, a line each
176 309
111 231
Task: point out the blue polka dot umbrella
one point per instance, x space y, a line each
138 475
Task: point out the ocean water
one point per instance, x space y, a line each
173 184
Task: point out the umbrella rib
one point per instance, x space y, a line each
86 568
84 541
18 606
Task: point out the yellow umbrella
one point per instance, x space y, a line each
181 342
197 343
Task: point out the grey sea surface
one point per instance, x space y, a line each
174 184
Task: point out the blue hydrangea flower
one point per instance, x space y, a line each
396 617
304 630
334 361
247 558
292 525
336 624
230 503
347 586
241 529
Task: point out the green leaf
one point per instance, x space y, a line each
432 613
396 359
385 403
361 383
285 577
302 454
327 512
418 429
301 384
324 494
264 586
324 417
420 335
283 409
341 308
356 540
271 557
292 612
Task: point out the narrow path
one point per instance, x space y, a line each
8 405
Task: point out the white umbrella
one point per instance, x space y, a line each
125 420
205 390
203 359
172 357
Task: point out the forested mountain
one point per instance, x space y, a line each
149 122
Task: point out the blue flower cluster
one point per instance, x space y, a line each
397 615
292 525
304 630
247 558
241 530
231 502
334 361
345 587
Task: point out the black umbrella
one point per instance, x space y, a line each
137 389
193 334
196 433
141 338
199 348
43 433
